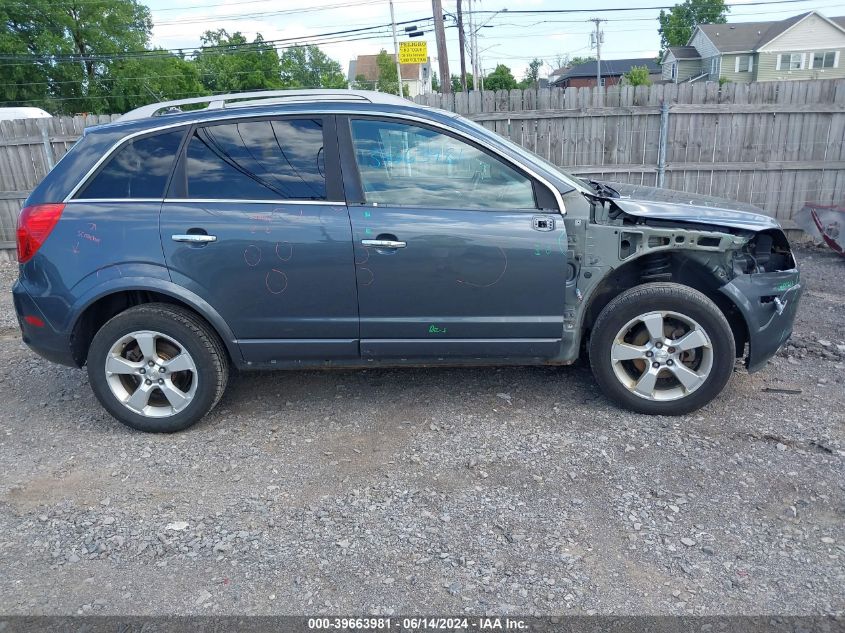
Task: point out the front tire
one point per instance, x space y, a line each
662 349
157 367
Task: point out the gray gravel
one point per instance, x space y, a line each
514 490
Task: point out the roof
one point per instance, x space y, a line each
610 67
749 36
684 52
366 65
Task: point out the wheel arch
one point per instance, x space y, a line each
101 306
665 266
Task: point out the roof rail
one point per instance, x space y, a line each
241 99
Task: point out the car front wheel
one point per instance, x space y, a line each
157 368
662 348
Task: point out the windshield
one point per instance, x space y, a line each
572 181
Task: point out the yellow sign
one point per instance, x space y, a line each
413 52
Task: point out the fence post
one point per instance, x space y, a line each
661 143
48 148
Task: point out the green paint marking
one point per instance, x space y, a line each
367 214
433 329
368 231
786 285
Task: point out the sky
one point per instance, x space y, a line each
507 38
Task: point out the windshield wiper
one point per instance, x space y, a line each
606 191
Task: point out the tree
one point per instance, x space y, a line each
456 83
435 83
532 74
228 63
677 25
565 61
70 45
362 83
387 79
500 79
135 82
637 76
309 67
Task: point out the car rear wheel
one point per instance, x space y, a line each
157 368
662 348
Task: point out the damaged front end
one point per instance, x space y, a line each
739 256
766 288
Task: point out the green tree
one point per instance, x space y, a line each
229 63
677 25
500 79
135 82
565 61
387 79
435 83
532 74
362 83
71 45
637 76
309 67
456 83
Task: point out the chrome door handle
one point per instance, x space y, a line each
383 243
194 238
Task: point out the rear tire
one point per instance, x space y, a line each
157 368
662 349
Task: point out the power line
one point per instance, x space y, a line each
218 48
652 8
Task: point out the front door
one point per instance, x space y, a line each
453 255
255 224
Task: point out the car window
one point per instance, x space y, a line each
409 165
139 169
257 160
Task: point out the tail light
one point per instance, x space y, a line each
34 225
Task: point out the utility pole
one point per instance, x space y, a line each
442 54
472 46
598 38
396 50
462 46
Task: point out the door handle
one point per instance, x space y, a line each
194 238
384 243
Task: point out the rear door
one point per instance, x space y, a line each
256 224
458 252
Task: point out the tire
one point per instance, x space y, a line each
157 368
667 366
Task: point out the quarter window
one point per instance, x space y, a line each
409 165
257 160
826 59
139 169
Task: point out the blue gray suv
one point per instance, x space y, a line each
312 229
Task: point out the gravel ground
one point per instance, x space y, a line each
514 490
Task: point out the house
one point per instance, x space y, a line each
584 75
805 46
417 77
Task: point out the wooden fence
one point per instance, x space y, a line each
777 145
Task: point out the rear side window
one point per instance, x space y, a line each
139 169
258 160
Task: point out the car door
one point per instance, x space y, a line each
256 224
458 253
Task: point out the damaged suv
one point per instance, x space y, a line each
312 229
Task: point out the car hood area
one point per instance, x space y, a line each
667 204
